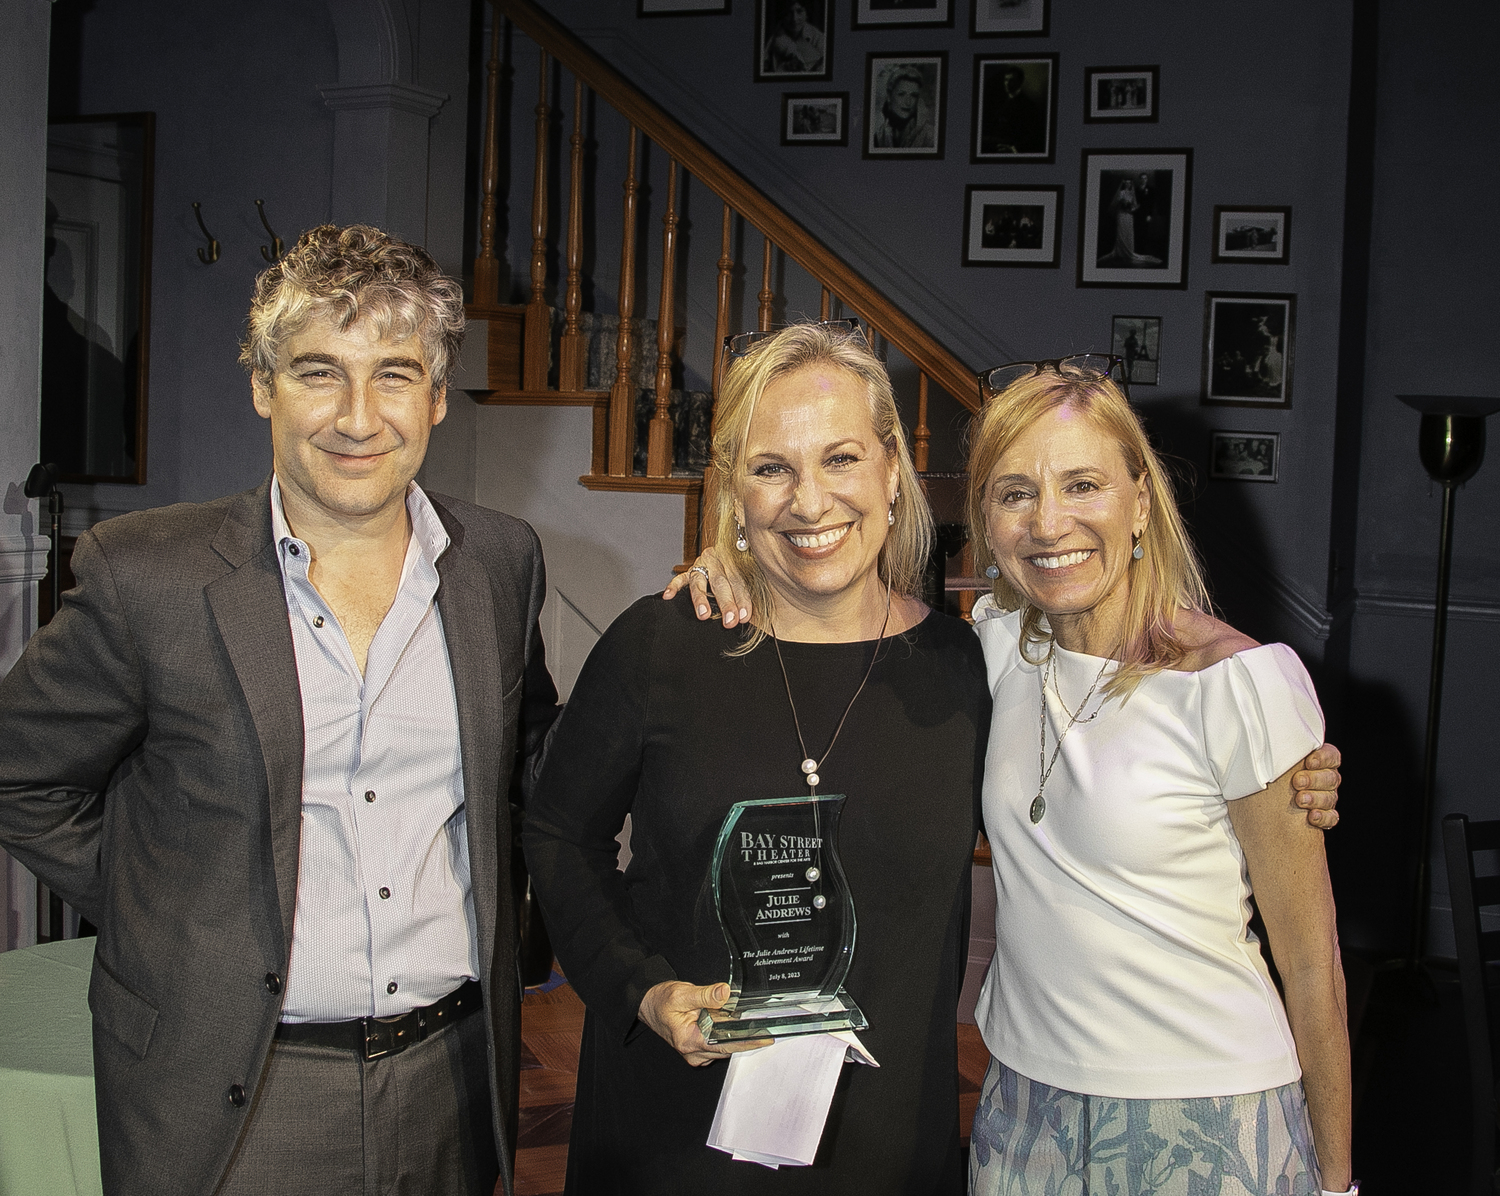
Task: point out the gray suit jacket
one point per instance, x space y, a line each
151 773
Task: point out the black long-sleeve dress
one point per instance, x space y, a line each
663 726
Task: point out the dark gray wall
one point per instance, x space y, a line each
1433 303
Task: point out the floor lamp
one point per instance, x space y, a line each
1450 442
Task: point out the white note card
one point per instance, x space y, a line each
775 1100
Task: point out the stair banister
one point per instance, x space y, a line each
918 345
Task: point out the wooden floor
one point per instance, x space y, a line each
551 1030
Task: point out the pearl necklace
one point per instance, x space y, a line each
809 765
1044 768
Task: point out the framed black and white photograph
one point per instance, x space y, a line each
681 8
820 118
96 301
1248 341
1015 108
1120 95
1253 235
1011 226
901 14
904 105
1244 456
1009 18
793 40
1133 218
1138 340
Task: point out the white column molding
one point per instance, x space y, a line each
23 563
380 137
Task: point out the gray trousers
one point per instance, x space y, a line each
327 1123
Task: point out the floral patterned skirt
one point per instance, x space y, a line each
1031 1139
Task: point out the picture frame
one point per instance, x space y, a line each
1015 108
901 14
905 104
1120 95
1138 340
815 118
1010 18
1133 216
1249 342
96 299
1244 456
793 41
1253 236
1012 226
682 8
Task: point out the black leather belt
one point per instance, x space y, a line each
377 1037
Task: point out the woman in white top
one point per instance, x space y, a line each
1137 790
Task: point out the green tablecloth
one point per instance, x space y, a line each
49 1139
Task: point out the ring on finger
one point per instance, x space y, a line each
700 569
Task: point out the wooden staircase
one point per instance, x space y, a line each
518 366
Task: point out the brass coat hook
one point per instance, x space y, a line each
212 255
272 254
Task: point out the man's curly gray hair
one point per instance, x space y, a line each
351 274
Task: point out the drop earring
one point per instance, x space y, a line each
1137 552
890 514
992 571
740 542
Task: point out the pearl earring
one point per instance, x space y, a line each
740 542
992 571
1137 552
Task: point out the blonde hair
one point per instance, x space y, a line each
350 274
908 543
1168 576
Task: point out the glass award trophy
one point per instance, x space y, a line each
788 918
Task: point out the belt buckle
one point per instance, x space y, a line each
384 1036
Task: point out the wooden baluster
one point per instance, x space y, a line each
659 446
826 306
572 368
966 598
486 264
922 434
622 395
721 317
767 296
721 330
534 359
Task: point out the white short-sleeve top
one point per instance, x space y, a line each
1123 966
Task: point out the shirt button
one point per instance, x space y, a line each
273 983
384 893
369 795
391 987
236 1096
317 620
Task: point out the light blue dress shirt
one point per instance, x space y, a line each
385 910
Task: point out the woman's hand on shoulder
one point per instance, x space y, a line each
671 1008
714 571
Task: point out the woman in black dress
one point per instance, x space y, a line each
673 720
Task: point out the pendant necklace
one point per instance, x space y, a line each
1044 768
810 766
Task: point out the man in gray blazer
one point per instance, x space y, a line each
268 745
